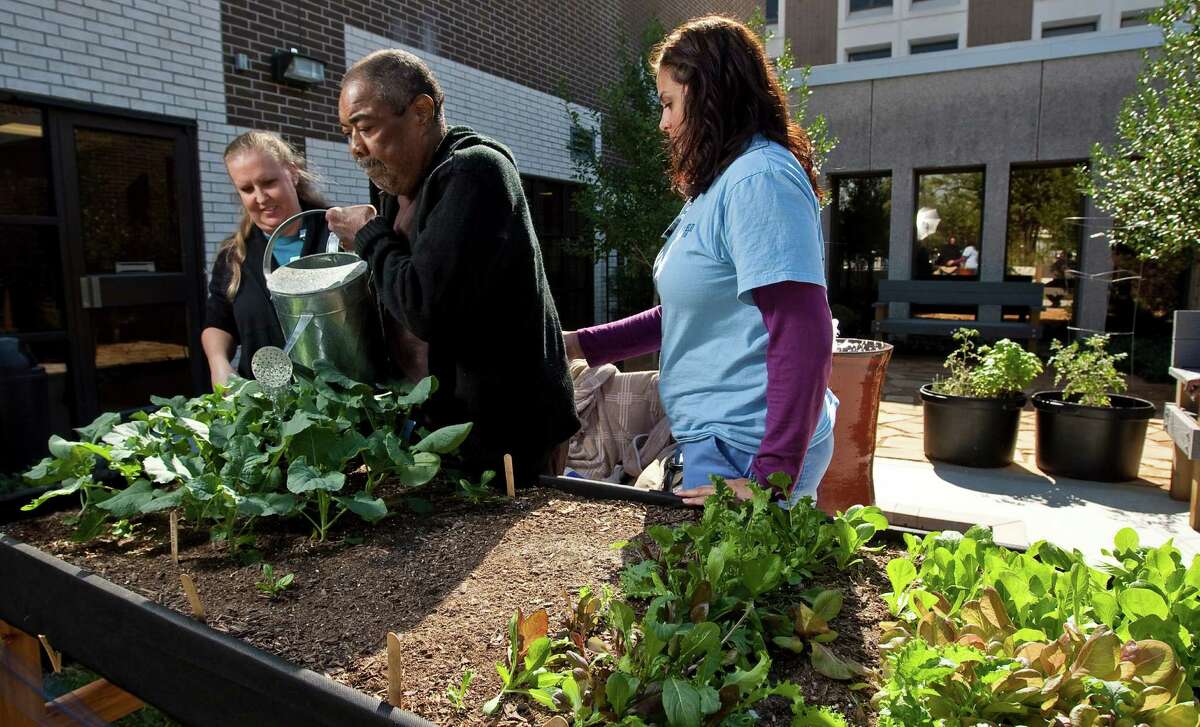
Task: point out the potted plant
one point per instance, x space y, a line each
1085 430
972 415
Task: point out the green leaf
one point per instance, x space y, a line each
761 574
901 572
748 681
539 650
164 500
681 703
702 640
129 501
444 440
303 478
419 393
619 688
71 485
424 468
100 426
571 688
826 662
371 509
828 604
298 423
161 472
1126 539
543 697
1143 602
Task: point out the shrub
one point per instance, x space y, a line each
987 372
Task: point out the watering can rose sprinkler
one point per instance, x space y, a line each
325 308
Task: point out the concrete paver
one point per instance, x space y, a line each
1026 506
1020 502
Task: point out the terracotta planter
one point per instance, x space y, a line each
857 381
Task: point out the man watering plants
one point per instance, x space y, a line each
455 260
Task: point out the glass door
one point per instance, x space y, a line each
129 216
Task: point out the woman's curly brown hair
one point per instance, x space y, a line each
732 94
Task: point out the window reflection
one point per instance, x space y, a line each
949 223
1044 236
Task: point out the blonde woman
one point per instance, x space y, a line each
273 183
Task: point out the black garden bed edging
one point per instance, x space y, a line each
187 670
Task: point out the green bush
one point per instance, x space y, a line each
987 372
1087 371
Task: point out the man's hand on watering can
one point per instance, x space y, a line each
345 222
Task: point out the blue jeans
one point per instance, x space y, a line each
712 456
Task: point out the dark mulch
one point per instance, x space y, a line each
446 582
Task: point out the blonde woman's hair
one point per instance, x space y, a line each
274 146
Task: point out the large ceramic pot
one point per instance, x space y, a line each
859 366
969 431
1091 442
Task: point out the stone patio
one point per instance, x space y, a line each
1020 502
901 426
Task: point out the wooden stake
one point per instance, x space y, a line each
193 596
509 483
55 656
395 673
175 537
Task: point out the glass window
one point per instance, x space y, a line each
1044 237
1073 28
31 287
1134 18
869 54
566 255
858 250
24 181
772 11
127 201
857 5
948 224
932 46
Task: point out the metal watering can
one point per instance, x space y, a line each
325 308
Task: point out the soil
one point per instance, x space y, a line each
446 583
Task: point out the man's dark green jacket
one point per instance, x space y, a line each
470 283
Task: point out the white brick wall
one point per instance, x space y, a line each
532 123
159 56
341 180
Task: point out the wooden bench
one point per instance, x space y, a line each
955 292
1179 418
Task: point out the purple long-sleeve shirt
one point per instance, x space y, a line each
799 360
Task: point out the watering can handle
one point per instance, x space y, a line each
282 226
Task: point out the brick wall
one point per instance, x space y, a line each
534 44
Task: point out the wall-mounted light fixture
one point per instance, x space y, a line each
288 66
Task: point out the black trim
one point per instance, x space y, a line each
189 671
600 490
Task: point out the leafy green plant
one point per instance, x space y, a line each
987 372
477 492
458 694
233 456
1087 371
721 594
271 586
524 670
1138 593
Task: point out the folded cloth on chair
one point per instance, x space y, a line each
623 421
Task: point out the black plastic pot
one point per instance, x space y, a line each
971 432
1091 442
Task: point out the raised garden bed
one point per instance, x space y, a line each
446 583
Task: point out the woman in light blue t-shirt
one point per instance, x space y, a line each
744 329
